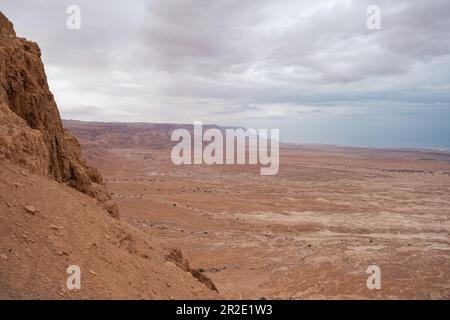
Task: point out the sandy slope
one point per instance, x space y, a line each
116 260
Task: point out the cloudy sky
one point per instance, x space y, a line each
310 68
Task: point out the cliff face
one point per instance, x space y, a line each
45 225
53 150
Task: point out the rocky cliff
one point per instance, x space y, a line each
31 132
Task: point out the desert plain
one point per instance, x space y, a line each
309 232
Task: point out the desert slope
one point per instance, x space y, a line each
117 261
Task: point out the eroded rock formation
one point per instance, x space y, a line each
34 136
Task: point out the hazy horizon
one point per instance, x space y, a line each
376 146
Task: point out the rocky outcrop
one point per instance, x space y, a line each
177 258
48 148
20 144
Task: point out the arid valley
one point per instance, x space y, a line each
99 210
309 232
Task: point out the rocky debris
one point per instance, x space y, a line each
30 209
220 269
176 257
37 141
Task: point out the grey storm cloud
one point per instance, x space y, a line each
304 42
225 61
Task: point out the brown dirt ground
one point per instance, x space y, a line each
309 232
